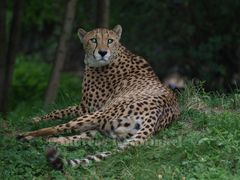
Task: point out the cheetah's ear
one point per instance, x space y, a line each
118 30
81 33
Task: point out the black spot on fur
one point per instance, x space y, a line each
104 124
137 126
75 161
99 156
67 125
88 134
145 133
21 138
130 135
126 124
112 127
80 124
90 158
130 112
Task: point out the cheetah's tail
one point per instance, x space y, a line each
58 163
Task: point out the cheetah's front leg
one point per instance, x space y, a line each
82 124
71 111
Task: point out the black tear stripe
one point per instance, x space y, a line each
95 49
107 40
95 46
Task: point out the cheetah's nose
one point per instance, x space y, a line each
102 53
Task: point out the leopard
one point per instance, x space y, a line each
122 98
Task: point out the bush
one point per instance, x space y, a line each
30 82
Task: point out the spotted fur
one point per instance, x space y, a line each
122 98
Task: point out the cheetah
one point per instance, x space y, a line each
122 98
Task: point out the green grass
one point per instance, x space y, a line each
203 144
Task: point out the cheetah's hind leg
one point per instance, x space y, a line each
73 139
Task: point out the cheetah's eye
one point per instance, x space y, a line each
93 40
110 41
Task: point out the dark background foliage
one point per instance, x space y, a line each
201 39
197 39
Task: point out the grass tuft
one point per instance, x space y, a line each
204 143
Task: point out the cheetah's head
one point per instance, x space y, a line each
100 45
